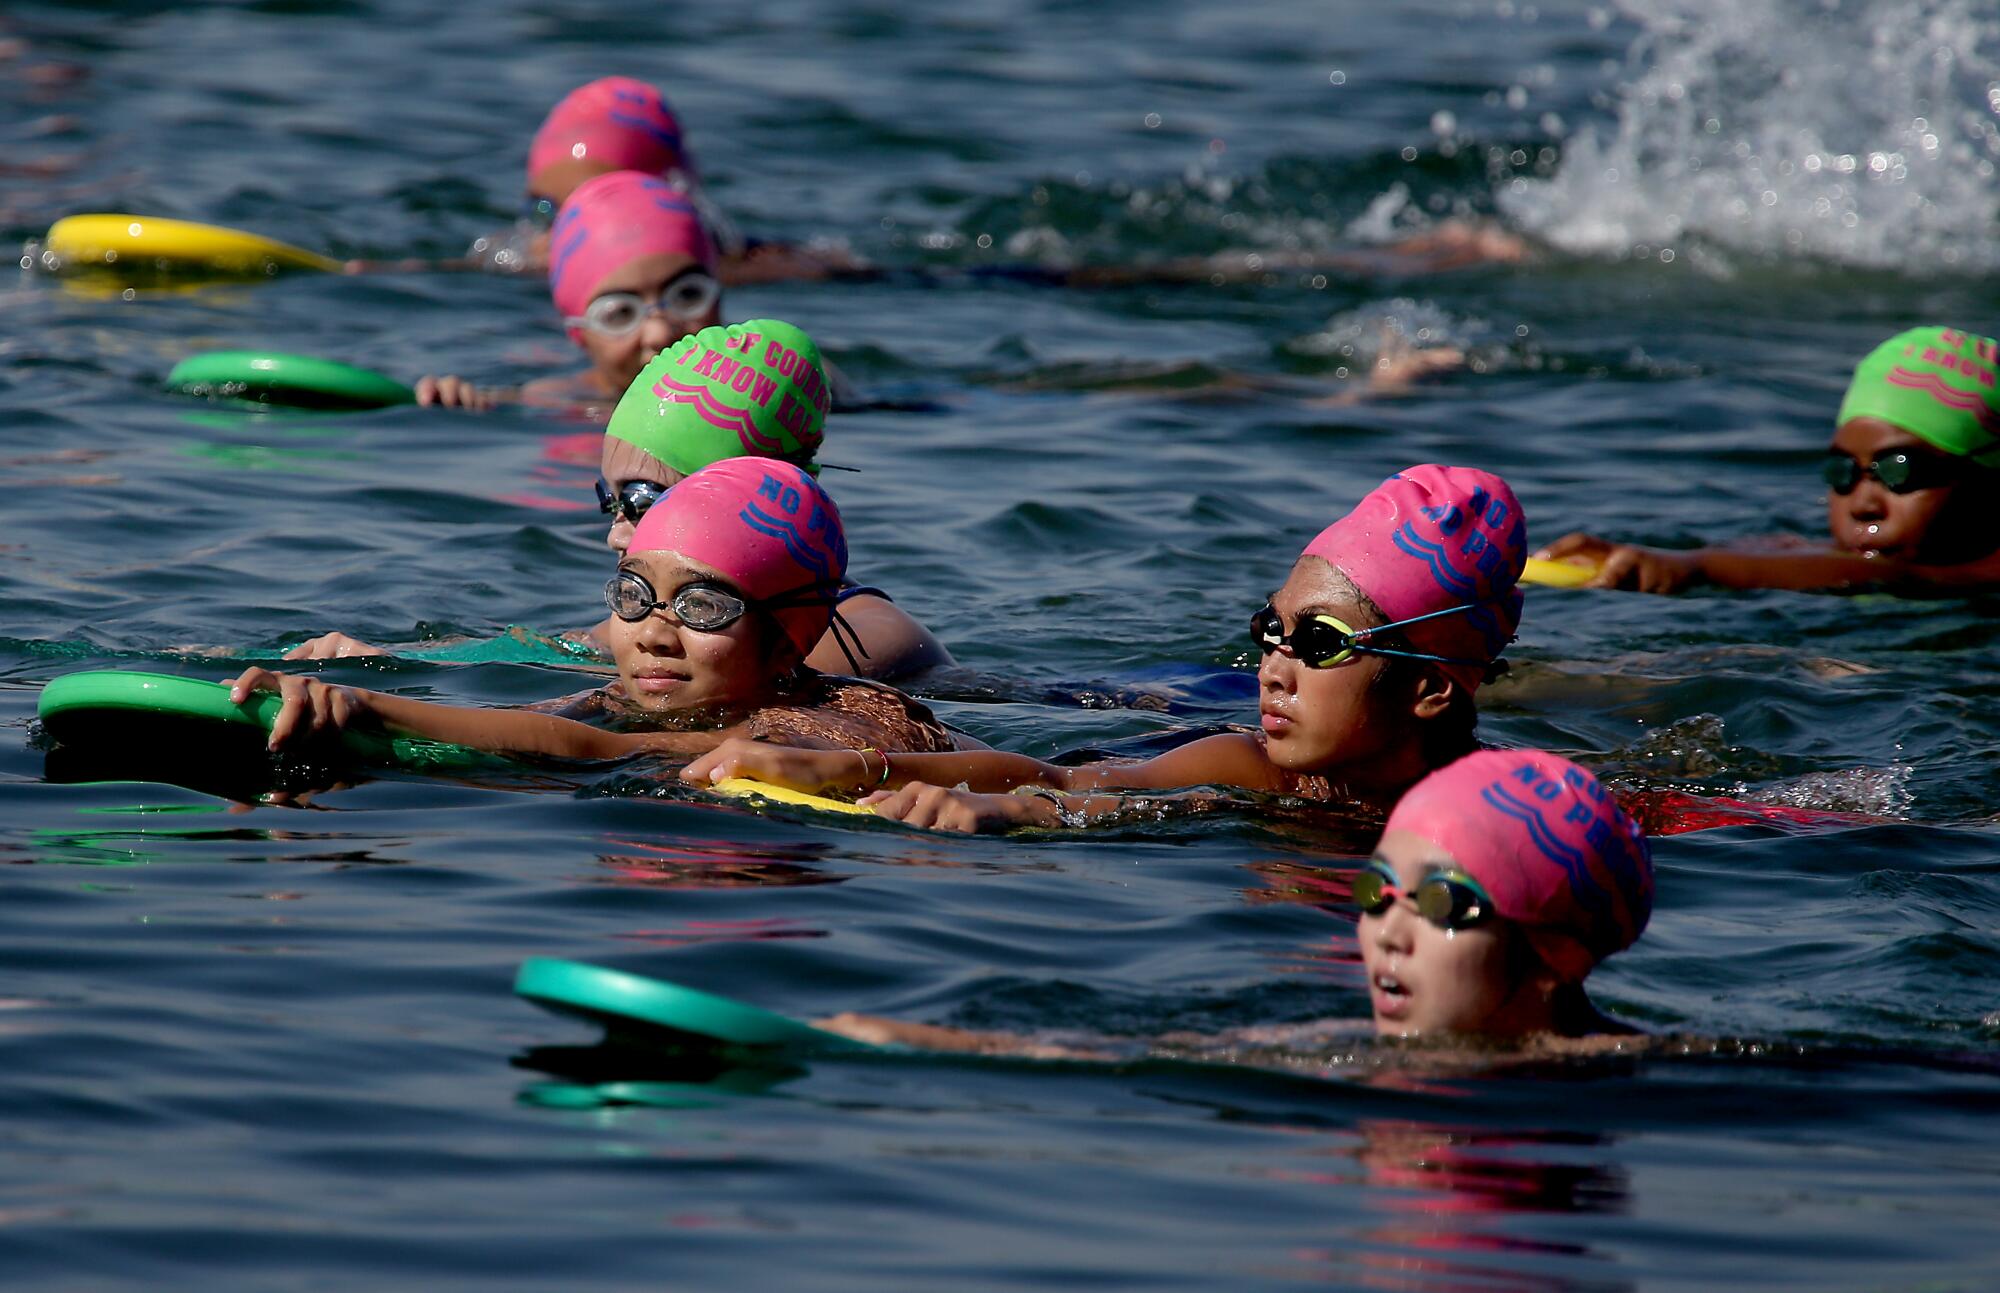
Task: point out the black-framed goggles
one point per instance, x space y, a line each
1321 641
630 500
703 606
709 607
1899 471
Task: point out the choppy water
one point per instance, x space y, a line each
277 1047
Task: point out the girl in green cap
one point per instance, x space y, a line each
756 389
1912 476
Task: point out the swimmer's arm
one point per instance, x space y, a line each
816 771
1231 758
1668 570
1226 759
878 1031
314 708
1800 571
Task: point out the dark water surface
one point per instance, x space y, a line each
276 1048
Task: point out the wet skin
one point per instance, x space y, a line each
1424 980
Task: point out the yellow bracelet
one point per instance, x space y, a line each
863 754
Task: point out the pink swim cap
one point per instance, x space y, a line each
1557 854
612 220
617 121
1430 538
765 526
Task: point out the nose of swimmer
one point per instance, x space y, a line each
619 537
659 636
657 333
1869 501
1392 928
1277 671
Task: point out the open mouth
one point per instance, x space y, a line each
1388 995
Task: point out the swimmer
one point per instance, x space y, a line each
617 123
1499 883
1913 482
726 585
1372 651
698 404
634 271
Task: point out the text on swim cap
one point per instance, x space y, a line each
1602 834
1985 347
741 376
820 526
1950 362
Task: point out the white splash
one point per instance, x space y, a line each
1865 133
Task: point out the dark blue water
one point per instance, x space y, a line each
276 1047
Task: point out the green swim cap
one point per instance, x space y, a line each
1937 384
755 389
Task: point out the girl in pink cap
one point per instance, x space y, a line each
1372 651
728 583
632 269
616 123
1499 883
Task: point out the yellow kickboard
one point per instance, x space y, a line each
134 241
1556 574
745 788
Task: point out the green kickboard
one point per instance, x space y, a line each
108 711
622 1002
272 377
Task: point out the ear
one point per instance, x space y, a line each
1434 694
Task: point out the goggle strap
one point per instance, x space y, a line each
1363 648
821 594
1358 637
843 633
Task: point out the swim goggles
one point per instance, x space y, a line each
619 314
1899 472
702 606
1449 899
631 499
1321 641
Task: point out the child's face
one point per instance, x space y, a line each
622 464
1870 517
1424 980
665 666
617 360
1321 720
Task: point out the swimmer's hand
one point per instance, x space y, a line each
812 771
1400 365
1627 565
934 808
312 708
457 393
332 646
